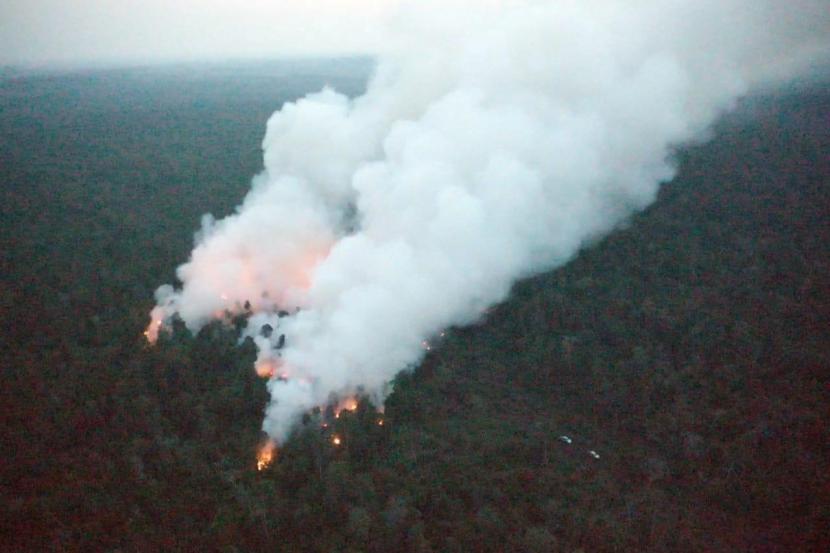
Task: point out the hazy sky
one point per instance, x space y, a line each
104 31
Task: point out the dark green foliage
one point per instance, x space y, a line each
690 350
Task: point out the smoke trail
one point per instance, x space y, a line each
492 143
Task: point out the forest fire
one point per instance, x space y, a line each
336 440
265 455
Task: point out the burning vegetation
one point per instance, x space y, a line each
269 368
272 366
349 404
155 326
275 368
266 455
333 423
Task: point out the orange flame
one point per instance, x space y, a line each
267 368
156 321
336 440
266 454
348 404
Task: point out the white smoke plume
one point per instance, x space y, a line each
494 140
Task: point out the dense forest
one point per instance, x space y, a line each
665 391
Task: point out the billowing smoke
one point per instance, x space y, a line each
494 140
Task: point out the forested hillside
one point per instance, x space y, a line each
689 351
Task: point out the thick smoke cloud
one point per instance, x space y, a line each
493 142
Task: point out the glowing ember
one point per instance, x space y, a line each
380 422
266 455
336 440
